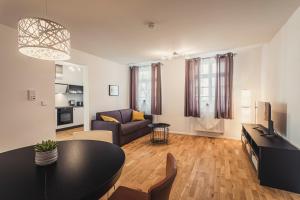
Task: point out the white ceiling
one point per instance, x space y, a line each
115 29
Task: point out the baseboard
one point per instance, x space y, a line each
67 128
204 135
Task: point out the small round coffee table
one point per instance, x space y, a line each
160 133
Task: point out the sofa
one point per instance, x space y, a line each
126 130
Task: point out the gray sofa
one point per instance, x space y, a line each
125 131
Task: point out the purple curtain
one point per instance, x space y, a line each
134 72
224 76
155 89
191 103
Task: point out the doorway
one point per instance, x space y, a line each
70 97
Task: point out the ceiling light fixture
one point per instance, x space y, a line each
150 24
174 55
43 39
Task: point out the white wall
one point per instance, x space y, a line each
23 122
98 75
246 76
281 71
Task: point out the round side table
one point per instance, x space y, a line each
160 133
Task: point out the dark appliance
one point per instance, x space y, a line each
75 89
79 103
64 115
264 119
72 102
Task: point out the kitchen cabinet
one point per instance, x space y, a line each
78 116
75 89
60 88
70 75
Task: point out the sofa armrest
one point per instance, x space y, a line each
109 126
149 117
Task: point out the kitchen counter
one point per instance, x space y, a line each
68 107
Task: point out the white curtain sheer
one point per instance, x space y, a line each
144 89
207 121
207 87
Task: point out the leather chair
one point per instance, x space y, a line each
159 191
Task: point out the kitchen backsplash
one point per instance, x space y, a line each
63 99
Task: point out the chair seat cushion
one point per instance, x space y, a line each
125 193
131 127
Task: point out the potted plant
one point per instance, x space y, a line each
46 152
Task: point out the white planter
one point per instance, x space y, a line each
46 158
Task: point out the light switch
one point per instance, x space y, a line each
43 103
31 95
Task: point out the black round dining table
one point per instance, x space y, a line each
84 170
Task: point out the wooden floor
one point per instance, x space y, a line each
207 169
66 134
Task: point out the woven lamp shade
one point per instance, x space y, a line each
43 39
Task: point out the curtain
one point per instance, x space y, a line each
156 89
191 100
224 76
134 71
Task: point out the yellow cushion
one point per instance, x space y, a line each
137 116
109 119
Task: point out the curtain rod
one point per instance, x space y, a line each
234 54
143 64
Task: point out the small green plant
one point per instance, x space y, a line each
47 145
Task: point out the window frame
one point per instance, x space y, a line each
144 78
211 87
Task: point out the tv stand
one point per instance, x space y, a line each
263 131
268 134
275 160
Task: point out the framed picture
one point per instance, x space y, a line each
113 90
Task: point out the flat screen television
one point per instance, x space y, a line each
272 116
264 116
279 118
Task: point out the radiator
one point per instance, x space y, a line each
209 125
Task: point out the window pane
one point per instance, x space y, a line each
204 99
213 82
204 82
144 89
214 67
204 91
213 92
204 69
207 84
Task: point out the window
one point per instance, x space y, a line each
207 86
144 89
